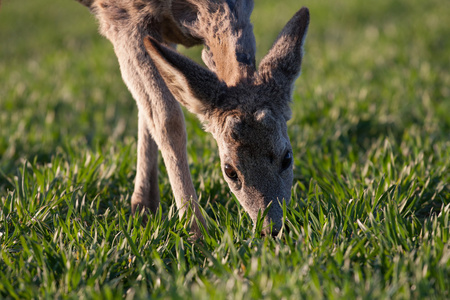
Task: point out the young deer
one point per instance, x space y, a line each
245 109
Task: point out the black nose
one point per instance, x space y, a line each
267 232
274 233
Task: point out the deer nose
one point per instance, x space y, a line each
274 233
267 232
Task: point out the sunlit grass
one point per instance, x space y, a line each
369 216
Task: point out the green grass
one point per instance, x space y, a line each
370 208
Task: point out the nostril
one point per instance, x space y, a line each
266 232
274 233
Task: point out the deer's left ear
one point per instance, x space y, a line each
282 65
194 87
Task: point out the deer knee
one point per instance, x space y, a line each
172 128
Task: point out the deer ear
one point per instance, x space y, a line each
196 88
282 65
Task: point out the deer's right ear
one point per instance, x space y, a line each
281 66
195 87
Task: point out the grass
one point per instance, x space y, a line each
370 208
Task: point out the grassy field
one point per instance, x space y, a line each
370 208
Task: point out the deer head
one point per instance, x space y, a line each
246 114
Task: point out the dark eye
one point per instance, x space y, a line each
287 161
231 172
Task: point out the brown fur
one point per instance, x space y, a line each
245 110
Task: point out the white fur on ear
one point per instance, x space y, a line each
175 81
282 65
196 88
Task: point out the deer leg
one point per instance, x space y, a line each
126 26
146 189
164 120
170 135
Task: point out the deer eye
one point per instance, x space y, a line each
287 161
230 172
